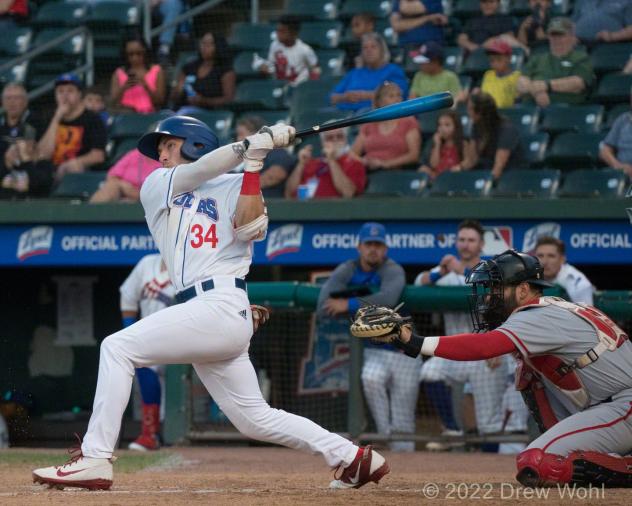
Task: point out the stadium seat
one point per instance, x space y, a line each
561 7
110 21
378 8
221 122
465 9
331 62
538 183
453 58
259 93
525 117
613 88
62 13
15 41
133 124
570 150
465 82
115 149
610 57
396 183
324 34
520 8
62 58
428 123
242 65
576 118
471 183
312 95
79 186
15 73
615 112
270 117
535 147
313 9
256 37
602 183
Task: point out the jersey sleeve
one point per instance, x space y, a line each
156 193
132 287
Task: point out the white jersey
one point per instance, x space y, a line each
576 284
147 288
292 63
194 230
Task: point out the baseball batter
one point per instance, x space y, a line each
204 222
575 371
146 290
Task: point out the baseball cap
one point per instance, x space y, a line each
560 25
427 52
69 78
372 231
498 46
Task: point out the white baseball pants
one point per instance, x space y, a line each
209 332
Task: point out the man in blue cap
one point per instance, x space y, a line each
389 378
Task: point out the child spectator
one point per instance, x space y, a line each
361 23
479 30
139 85
93 100
392 144
501 82
289 58
447 146
418 22
432 77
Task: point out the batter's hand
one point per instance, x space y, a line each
282 135
260 315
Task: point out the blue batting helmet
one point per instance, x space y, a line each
199 139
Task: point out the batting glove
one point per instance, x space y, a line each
257 146
282 135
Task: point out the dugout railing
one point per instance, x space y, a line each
314 371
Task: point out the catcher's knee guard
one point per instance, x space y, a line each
537 468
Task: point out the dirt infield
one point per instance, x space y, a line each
221 475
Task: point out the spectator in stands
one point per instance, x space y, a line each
138 86
448 146
361 23
564 74
24 175
432 77
337 173
208 82
532 30
616 148
389 377
12 11
501 82
418 22
289 58
603 20
75 138
357 88
93 100
481 30
495 144
552 255
392 144
168 10
277 165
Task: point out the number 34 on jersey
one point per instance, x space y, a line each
201 234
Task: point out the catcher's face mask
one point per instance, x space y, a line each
487 301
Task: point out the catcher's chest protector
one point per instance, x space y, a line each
560 373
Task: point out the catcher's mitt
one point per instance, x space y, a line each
379 324
260 315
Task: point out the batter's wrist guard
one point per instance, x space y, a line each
412 348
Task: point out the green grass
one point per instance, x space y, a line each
128 463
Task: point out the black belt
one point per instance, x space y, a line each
207 285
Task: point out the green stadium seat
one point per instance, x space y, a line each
465 82
331 62
561 7
610 57
61 14
379 8
453 58
15 73
615 112
535 147
470 183
270 117
524 117
221 122
312 95
571 150
537 183
428 123
613 88
133 124
520 8
256 37
601 183
242 65
79 186
324 34
383 27
116 149
464 9
576 118
396 183
313 9
110 21
15 41
259 93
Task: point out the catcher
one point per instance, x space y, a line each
575 369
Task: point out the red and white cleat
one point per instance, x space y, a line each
144 444
367 466
79 471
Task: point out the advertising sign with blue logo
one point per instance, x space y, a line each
410 242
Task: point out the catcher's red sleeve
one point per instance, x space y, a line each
474 346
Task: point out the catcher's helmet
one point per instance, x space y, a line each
199 139
488 279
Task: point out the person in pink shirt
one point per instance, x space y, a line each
392 144
138 86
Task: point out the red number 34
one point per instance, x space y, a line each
199 237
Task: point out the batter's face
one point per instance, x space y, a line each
169 153
372 253
469 244
551 260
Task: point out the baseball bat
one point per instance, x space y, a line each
406 108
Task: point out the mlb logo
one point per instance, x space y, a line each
497 240
35 241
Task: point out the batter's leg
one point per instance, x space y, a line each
375 378
403 396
